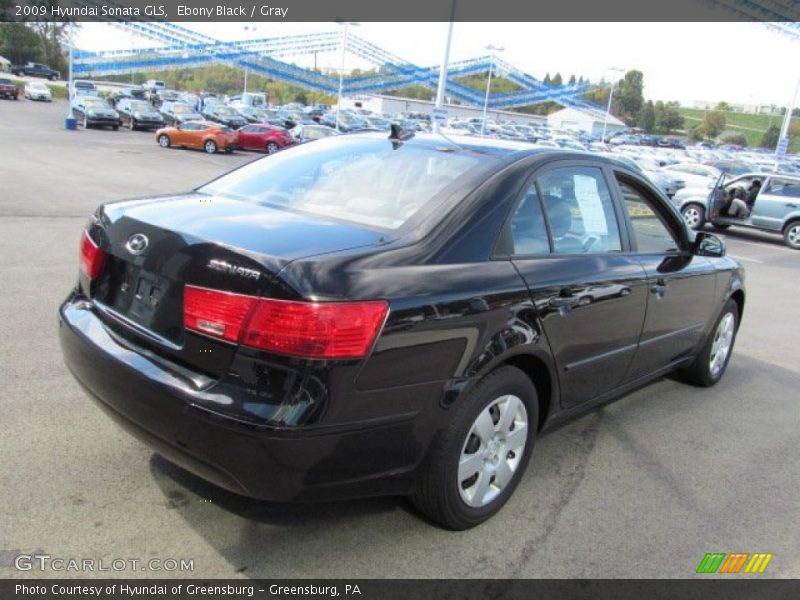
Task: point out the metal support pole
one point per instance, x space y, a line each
442 85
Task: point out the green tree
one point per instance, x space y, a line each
722 106
736 139
646 118
572 80
546 79
19 43
770 137
667 117
713 123
628 96
556 80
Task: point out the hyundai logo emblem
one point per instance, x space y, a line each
137 243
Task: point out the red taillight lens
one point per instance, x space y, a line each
305 329
92 258
315 330
220 314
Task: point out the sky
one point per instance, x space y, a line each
744 63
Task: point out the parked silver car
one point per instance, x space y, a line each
772 201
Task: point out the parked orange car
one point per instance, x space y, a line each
202 135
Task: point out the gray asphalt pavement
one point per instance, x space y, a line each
641 488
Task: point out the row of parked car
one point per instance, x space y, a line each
702 182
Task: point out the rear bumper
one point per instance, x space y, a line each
159 406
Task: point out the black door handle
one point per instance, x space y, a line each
791 205
559 301
659 288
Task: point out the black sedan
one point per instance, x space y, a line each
92 111
138 114
405 316
224 115
176 113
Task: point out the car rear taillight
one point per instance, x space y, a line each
92 258
328 330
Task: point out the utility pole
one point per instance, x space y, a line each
442 85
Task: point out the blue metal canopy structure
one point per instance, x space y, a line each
182 47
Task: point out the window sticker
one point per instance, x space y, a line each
591 205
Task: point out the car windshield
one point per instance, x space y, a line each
95 103
141 106
182 109
36 85
225 111
371 182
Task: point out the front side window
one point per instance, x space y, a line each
580 211
652 235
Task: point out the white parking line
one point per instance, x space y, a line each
744 258
765 246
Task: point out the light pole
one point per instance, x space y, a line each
610 96
440 88
247 28
69 121
492 49
341 69
787 119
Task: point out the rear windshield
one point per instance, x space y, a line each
366 181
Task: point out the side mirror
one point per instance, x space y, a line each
708 244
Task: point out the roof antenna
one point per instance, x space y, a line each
400 134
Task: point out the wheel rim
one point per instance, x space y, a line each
272 148
692 216
164 141
211 147
492 451
793 235
721 346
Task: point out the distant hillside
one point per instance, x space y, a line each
752 126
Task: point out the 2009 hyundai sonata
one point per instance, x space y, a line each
365 316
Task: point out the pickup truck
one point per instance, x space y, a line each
8 89
36 70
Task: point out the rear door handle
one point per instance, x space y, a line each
659 288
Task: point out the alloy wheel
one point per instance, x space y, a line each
692 216
492 450
721 346
793 235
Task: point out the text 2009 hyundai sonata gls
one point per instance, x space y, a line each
364 316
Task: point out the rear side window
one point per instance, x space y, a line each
528 229
652 235
580 211
783 187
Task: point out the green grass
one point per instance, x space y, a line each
752 126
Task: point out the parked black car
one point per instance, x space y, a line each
225 115
92 111
175 113
133 93
33 69
366 316
138 114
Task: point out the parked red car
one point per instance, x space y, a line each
8 89
264 137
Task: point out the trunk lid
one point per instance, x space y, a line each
157 246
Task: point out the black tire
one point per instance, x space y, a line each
700 373
210 146
272 148
115 127
791 235
164 141
694 216
438 494
721 226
